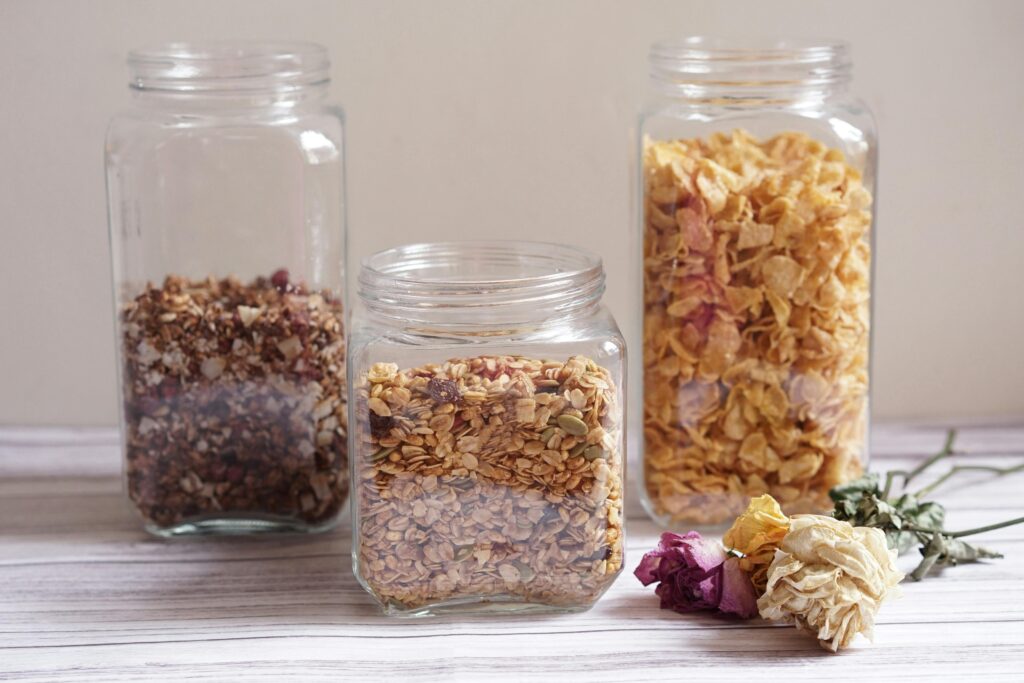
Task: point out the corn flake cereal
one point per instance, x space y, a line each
756 290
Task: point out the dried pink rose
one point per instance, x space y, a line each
696 574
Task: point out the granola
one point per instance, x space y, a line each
234 401
756 289
488 478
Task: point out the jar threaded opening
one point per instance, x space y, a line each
707 67
478 284
229 67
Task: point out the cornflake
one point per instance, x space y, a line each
494 478
756 288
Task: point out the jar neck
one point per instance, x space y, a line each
480 288
229 75
751 73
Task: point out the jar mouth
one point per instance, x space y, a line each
707 65
481 283
229 66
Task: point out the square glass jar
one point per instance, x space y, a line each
487 432
225 196
757 173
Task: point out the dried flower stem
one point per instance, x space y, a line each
967 532
947 451
999 471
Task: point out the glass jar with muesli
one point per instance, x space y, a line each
228 238
757 176
487 429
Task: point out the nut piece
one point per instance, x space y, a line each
248 314
212 368
290 348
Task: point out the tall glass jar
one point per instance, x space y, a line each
487 429
758 170
225 196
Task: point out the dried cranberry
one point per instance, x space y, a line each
235 474
492 373
299 319
280 279
443 390
380 425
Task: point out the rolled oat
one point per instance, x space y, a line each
486 479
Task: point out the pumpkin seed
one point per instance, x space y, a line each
573 425
594 452
546 435
463 552
577 449
382 454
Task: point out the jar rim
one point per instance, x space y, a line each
229 66
721 47
720 67
481 282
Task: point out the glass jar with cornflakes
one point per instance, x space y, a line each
758 170
487 429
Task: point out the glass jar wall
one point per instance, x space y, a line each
227 235
758 171
487 429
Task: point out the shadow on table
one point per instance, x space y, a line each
90 560
753 641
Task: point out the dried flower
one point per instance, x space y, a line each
696 574
830 577
756 534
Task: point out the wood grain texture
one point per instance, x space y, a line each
85 595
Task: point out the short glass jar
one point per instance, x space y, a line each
487 435
758 170
225 196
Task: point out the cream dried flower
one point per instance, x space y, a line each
830 577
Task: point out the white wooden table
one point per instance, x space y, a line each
86 595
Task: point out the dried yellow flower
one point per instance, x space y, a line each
830 577
757 534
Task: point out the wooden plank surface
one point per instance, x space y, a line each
86 595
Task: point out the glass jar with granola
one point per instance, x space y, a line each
227 238
487 429
758 171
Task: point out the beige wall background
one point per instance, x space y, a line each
514 118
